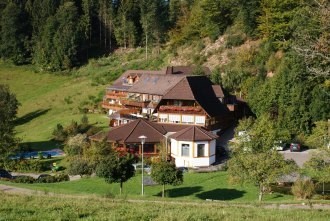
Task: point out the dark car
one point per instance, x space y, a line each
5 174
295 147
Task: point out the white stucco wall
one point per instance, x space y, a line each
192 160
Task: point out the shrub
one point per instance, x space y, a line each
24 179
59 133
234 40
46 179
62 177
303 189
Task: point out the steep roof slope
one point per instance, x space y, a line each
193 133
129 133
198 88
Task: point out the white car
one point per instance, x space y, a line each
146 168
279 145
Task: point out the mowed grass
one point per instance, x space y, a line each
45 207
196 187
46 100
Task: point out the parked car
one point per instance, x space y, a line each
146 168
5 174
279 145
295 147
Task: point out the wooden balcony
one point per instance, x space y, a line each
113 95
181 109
133 103
114 107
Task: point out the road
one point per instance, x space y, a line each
299 157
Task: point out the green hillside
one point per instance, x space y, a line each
46 100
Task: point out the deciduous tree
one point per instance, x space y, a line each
165 173
259 168
116 169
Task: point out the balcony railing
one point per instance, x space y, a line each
113 95
173 108
133 103
115 107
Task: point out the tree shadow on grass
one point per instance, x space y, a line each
221 194
30 116
40 146
181 191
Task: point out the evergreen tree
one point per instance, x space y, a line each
59 44
277 19
14 34
8 111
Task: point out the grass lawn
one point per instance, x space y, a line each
196 186
16 207
46 100
95 201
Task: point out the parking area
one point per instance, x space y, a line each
299 157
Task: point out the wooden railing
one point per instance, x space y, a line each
107 105
180 108
113 95
133 103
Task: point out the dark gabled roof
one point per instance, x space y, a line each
129 133
193 133
173 127
186 70
218 91
200 89
155 84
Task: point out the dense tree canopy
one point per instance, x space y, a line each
282 70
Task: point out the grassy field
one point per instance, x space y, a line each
196 187
46 100
50 98
15 207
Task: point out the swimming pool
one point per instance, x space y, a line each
35 154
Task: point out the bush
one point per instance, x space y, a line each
24 179
62 177
24 165
234 40
303 189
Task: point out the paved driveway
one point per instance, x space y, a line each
299 157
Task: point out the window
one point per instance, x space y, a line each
185 150
174 118
200 150
163 118
187 119
200 120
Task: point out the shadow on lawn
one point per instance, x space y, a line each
30 116
221 194
41 145
181 191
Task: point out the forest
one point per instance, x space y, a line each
283 74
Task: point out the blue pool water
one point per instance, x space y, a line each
34 154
